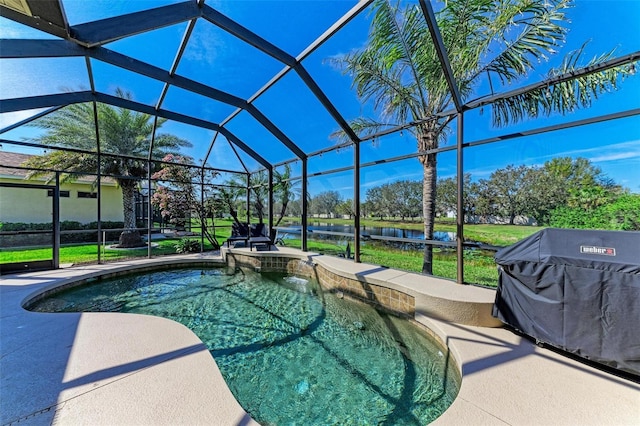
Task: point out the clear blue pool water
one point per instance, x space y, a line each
290 353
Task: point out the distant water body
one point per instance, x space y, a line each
374 230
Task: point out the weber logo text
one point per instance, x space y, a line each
606 251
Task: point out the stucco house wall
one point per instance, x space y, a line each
35 205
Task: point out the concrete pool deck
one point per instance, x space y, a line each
117 369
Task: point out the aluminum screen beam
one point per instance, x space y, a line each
333 29
237 30
233 138
358 8
555 127
310 49
156 73
270 49
126 103
615 62
235 151
319 94
176 60
105 154
20 104
29 120
19 48
213 141
39 48
132 105
441 50
30 48
44 15
262 119
45 101
104 31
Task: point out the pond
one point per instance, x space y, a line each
294 230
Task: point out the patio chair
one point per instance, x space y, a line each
260 239
239 232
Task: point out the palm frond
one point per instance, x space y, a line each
122 132
539 31
563 97
363 127
397 37
72 165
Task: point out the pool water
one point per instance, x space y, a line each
289 352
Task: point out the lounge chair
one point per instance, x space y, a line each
258 237
239 232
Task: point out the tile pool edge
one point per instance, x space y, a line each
399 292
113 270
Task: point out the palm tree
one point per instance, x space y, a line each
122 131
229 196
260 193
284 190
398 69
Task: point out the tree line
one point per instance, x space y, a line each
564 192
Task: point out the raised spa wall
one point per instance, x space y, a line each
401 293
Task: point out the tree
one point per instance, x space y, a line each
326 202
485 202
259 193
509 191
407 198
399 71
183 195
375 202
346 207
567 181
401 198
229 198
122 131
283 190
621 212
624 213
447 196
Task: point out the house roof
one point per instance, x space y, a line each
9 161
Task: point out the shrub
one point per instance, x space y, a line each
621 214
70 225
186 245
105 224
19 226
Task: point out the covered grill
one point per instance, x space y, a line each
577 290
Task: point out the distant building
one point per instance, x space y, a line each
34 205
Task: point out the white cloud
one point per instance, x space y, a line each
622 150
616 156
204 46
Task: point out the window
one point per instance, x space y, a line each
64 194
87 194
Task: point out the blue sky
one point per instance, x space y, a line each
217 59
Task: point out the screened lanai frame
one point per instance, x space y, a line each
86 40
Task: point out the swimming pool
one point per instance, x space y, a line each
289 352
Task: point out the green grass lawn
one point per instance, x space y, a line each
88 253
479 266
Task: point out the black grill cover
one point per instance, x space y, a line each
578 290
